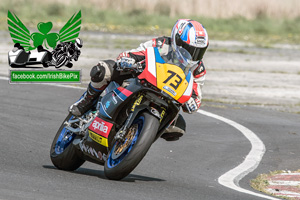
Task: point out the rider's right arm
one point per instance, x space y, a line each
137 54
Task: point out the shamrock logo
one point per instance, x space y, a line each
20 34
44 36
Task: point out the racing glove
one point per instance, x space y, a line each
192 105
125 63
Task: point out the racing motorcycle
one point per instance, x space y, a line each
125 121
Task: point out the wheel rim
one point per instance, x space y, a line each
64 139
120 150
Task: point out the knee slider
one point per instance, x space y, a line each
97 73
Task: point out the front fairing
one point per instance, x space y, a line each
169 74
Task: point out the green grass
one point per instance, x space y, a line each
261 31
227 50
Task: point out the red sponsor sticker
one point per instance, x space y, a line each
101 127
126 92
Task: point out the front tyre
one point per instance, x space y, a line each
63 153
124 157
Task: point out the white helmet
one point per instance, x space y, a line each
191 36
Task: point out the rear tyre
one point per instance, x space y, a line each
124 157
63 153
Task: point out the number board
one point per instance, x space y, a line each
171 79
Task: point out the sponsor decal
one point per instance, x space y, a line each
107 104
162 114
99 139
122 93
103 110
170 90
201 41
137 102
101 127
92 151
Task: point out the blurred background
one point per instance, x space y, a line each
253 56
262 22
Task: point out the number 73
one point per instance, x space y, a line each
176 82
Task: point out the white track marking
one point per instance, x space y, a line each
231 178
3 78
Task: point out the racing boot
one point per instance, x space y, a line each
175 130
86 102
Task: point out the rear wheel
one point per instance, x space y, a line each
124 157
63 153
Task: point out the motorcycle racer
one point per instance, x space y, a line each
187 34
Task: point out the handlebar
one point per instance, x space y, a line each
136 67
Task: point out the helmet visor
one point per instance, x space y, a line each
196 52
182 54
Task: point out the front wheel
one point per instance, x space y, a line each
124 157
63 153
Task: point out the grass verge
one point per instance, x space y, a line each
262 31
261 183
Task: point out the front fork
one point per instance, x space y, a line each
135 109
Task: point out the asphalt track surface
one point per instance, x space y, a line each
187 169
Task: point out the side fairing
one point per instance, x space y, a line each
110 102
102 129
149 72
